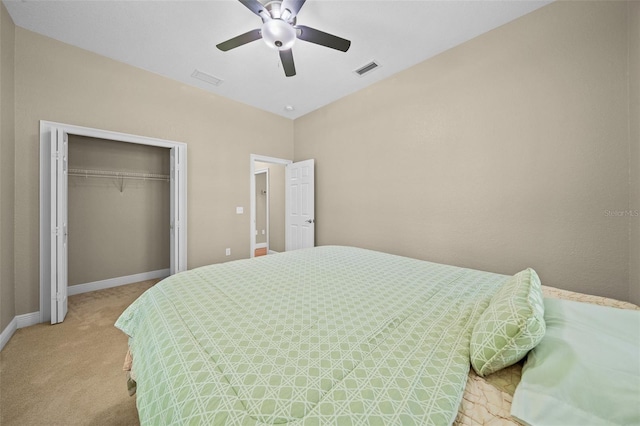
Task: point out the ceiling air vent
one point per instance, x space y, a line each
367 68
206 78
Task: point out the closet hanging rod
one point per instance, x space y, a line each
117 175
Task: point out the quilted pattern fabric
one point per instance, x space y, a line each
330 335
511 326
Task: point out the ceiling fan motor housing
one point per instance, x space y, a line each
274 8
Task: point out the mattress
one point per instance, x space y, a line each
329 335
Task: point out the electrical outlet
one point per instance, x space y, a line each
227 252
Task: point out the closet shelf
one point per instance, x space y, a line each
117 175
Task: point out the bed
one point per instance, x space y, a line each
329 335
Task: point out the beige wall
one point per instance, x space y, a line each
7 148
499 154
276 204
634 157
117 231
61 83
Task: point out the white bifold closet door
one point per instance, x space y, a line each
177 203
58 211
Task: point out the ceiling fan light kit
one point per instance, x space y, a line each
280 32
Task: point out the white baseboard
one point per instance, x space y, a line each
115 282
26 320
8 332
273 252
19 321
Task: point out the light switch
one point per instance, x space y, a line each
239 210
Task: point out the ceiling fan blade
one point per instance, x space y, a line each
286 56
324 39
293 6
253 5
245 38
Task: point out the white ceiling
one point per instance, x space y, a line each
175 37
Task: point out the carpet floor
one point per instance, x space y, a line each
71 373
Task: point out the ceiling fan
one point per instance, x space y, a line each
279 31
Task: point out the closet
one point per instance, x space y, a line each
118 213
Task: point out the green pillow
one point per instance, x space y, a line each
511 326
586 370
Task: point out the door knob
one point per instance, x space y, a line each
309 221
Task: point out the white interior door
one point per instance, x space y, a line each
58 205
300 205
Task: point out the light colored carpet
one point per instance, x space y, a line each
71 373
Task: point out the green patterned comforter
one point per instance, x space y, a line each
323 336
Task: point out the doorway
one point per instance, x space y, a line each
262 229
54 209
267 205
299 202
118 210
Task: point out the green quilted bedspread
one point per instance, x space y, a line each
323 336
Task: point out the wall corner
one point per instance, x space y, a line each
633 75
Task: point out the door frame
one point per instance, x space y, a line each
178 255
252 193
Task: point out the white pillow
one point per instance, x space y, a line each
586 369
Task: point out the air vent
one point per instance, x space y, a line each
367 68
206 78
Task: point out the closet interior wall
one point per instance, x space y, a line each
117 226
